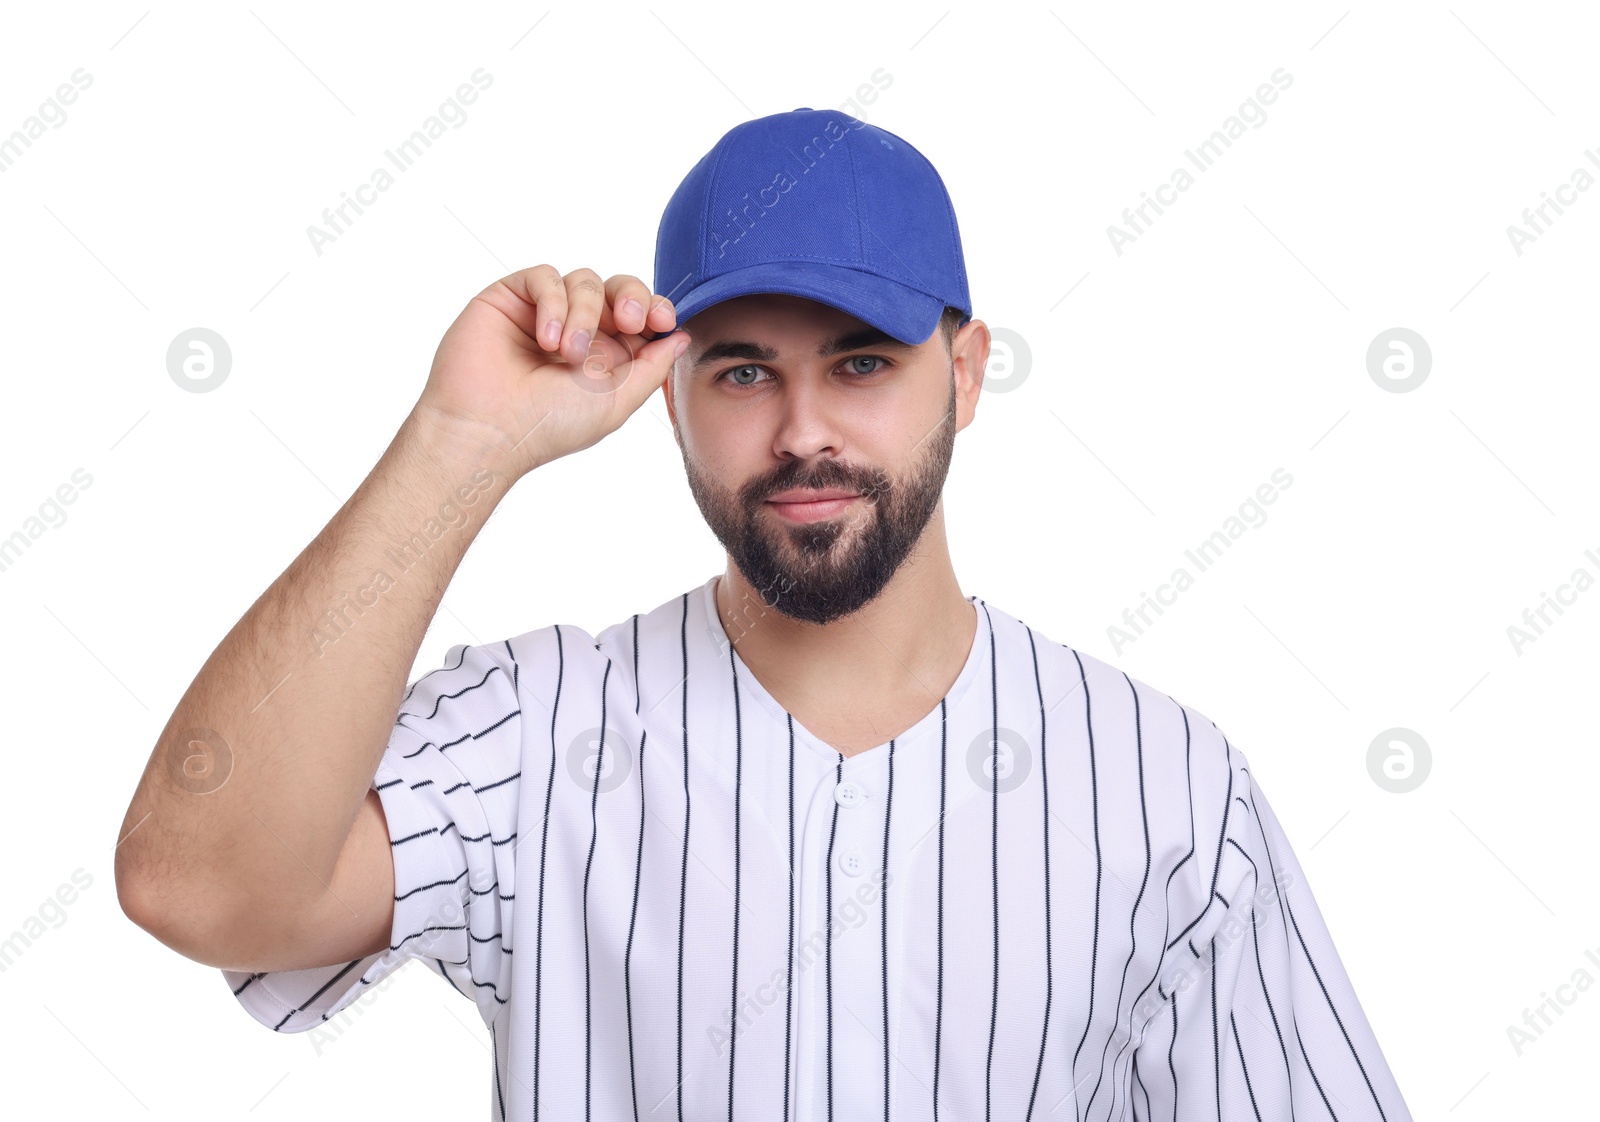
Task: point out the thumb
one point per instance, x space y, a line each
639 377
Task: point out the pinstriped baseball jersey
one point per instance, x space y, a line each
1060 894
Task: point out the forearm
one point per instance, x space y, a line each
295 705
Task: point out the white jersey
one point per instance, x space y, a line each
1060 894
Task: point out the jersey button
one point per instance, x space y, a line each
852 863
849 793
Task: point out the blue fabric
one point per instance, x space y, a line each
815 203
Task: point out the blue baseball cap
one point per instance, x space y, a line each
819 204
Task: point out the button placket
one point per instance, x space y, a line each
857 964
849 794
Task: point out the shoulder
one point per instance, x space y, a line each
553 659
1115 708
1146 752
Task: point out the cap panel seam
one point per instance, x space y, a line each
950 214
702 243
855 192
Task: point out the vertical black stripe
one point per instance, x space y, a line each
1329 999
994 850
588 866
1216 1039
1314 1078
1216 872
1138 1077
516 692
494 1047
1288 1069
1283 907
788 1008
738 769
544 843
1244 1068
1171 1044
1166 928
1094 798
883 903
683 874
1044 779
1133 915
1188 777
938 1001
1222 837
1255 940
638 869
827 927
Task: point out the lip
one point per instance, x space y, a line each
813 510
810 494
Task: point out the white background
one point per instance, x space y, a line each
1228 341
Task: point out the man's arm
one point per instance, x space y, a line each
254 841
1255 1015
251 822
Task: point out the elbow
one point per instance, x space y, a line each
175 916
135 869
143 900
134 892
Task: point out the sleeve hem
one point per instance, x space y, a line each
297 1000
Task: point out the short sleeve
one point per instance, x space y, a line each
448 780
1260 1020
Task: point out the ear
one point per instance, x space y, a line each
672 417
969 356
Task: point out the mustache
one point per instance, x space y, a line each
868 482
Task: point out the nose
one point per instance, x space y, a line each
809 422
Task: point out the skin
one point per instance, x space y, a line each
281 860
254 841
878 418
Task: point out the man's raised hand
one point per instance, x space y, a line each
539 365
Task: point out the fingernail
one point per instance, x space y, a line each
680 346
552 332
581 341
632 306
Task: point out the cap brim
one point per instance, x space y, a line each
901 312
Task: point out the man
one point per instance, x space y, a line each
819 838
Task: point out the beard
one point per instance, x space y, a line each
821 571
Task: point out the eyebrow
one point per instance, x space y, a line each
760 352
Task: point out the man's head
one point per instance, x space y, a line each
779 393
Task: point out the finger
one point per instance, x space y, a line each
530 298
552 307
586 295
628 305
608 350
639 377
663 315
662 319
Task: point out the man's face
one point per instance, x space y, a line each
779 393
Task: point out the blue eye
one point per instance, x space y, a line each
734 373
